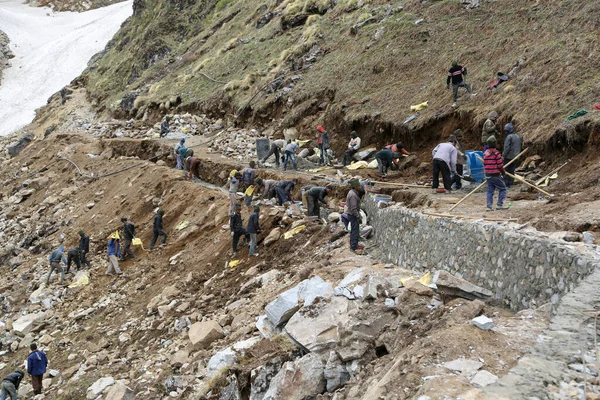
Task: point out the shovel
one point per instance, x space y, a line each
466 178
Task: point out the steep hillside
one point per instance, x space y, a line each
354 64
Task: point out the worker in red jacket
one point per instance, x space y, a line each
494 169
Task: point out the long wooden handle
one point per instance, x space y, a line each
400 184
528 184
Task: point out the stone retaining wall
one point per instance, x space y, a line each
522 269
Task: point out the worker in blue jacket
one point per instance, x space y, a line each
37 362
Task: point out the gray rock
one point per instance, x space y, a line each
232 390
15 148
588 238
483 322
581 368
298 380
483 378
99 386
261 378
335 372
366 153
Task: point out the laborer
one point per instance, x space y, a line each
353 205
248 175
284 190
276 149
266 188
512 147
164 126
290 154
176 151
237 227
323 145
193 166
55 259
84 248
73 255
253 230
128 236
10 385
444 162
353 147
384 160
456 75
461 159
114 249
304 192
37 362
234 183
157 229
494 168
315 197
489 128
397 149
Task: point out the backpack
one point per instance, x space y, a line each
182 151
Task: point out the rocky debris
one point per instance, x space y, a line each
483 322
120 391
298 380
202 334
5 53
448 284
262 376
227 357
470 4
273 236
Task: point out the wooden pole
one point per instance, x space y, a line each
483 183
528 184
400 184
554 171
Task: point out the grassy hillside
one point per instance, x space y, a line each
360 63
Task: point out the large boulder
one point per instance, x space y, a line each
25 324
202 334
319 326
298 380
280 310
273 236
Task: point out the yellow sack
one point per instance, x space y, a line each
291 233
182 225
137 242
232 173
114 235
301 143
84 280
234 263
406 279
425 279
358 165
419 107
249 191
373 164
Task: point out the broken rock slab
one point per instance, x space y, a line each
280 310
483 378
99 386
120 391
449 284
319 326
227 357
24 324
202 334
463 365
298 380
483 322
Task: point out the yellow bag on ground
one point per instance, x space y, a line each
373 164
425 279
182 225
137 242
84 280
249 191
358 165
419 107
406 279
301 143
291 233
234 263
